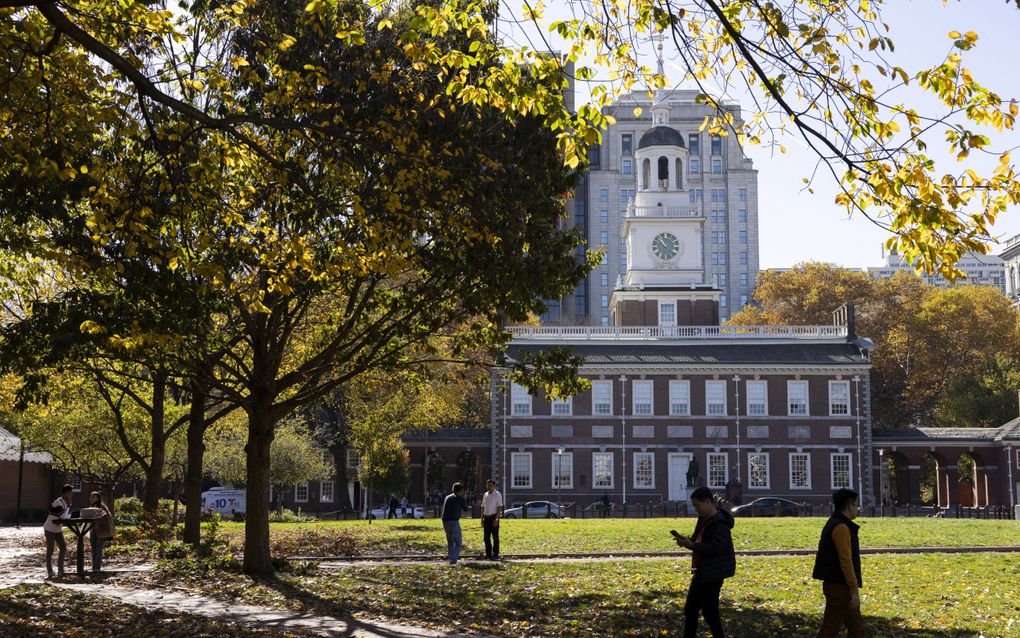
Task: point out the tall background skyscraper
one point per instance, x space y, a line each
720 180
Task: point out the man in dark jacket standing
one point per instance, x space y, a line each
713 561
453 506
838 566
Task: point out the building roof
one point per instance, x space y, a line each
1009 431
705 354
10 450
661 136
458 434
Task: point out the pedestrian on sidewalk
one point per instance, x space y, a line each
102 531
712 562
54 530
607 505
453 506
394 504
838 566
492 511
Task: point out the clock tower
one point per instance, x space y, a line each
665 280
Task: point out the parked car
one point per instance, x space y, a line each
768 506
411 511
536 509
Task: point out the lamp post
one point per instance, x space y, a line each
559 479
860 476
881 481
736 389
623 423
505 385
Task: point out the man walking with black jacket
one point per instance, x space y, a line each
713 562
838 565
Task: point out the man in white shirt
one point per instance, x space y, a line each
60 508
492 511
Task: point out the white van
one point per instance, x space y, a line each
224 500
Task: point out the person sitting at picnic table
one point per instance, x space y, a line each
59 509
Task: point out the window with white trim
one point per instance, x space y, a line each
800 471
841 471
718 469
520 401
839 398
602 469
667 313
563 407
642 391
644 470
601 397
520 470
326 489
353 460
563 470
758 470
301 492
797 397
680 397
715 398
74 480
757 398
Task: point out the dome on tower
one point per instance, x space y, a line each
661 136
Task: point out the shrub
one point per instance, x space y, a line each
286 516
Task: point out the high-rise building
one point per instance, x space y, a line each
980 270
709 177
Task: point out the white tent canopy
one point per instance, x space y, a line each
10 450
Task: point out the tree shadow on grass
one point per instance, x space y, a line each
443 598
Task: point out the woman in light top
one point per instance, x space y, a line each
102 530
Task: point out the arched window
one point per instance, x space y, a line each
679 174
646 174
663 173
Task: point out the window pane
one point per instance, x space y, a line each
562 407
798 397
680 397
839 397
520 401
840 471
563 470
642 397
601 397
800 471
758 465
715 397
756 398
520 464
717 470
644 469
602 469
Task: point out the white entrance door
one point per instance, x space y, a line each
678 464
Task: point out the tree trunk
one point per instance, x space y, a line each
154 472
257 561
193 475
343 497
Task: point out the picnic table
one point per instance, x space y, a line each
80 527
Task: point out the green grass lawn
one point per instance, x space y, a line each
937 595
620 535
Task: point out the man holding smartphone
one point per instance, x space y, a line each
712 562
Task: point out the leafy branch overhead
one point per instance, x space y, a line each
822 73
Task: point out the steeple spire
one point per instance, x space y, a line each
660 107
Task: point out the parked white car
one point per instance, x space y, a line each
536 509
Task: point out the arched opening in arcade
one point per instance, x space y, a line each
435 478
934 483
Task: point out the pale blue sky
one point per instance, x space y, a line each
797 226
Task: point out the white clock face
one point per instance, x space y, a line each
665 246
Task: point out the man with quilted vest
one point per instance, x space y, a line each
713 561
838 566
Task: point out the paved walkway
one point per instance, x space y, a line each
22 556
253 615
